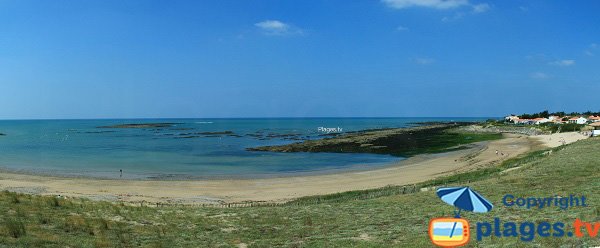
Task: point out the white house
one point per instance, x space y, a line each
596 131
594 118
578 120
538 121
524 121
511 118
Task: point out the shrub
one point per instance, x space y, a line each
14 198
54 202
15 227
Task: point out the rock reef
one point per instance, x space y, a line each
431 138
141 125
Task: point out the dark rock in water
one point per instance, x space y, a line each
141 125
329 134
393 141
187 137
254 135
1 134
99 132
284 135
215 133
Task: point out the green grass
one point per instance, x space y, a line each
370 218
403 142
545 127
450 141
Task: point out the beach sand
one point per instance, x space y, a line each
413 170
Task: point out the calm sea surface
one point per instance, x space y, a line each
186 150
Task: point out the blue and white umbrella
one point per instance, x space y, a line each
464 198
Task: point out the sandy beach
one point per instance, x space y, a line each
413 170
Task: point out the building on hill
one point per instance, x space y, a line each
594 118
511 118
538 121
524 121
578 120
596 131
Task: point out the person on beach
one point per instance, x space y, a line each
121 171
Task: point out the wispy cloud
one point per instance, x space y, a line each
275 27
539 75
423 60
456 16
436 4
480 8
591 50
564 62
401 28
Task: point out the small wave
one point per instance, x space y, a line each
204 122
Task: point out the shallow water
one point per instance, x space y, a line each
80 148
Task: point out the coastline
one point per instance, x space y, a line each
412 170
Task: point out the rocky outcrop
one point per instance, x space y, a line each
394 141
141 125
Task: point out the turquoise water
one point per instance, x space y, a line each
80 148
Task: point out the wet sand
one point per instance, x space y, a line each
413 170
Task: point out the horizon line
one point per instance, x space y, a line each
288 117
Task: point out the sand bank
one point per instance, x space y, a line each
409 171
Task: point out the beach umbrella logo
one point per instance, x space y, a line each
453 232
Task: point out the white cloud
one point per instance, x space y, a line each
538 75
480 8
564 62
423 61
436 4
275 27
456 16
401 28
591 50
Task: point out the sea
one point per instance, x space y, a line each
188 149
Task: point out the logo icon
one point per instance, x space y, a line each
453 232
449 232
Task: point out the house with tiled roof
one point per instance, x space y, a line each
578 120
594 118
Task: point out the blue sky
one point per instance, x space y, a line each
122 59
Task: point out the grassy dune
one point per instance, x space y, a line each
372 218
